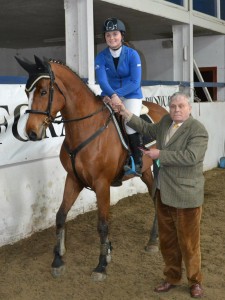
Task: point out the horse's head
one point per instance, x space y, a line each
44 100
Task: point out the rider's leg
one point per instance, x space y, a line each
134 138
134 143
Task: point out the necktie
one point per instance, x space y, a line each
171 132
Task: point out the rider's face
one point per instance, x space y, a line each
113 39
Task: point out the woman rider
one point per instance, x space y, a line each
118 71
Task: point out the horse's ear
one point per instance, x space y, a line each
39 63
25 65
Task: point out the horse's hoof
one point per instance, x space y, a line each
57 272
96 276
151 248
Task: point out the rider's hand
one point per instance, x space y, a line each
116 102
107 99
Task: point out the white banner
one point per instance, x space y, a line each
159 94
14 146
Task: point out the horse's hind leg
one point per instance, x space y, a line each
71 191
152 245
103 201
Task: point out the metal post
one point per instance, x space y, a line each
218 11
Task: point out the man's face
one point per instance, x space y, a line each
180 109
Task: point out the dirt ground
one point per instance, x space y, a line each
132 274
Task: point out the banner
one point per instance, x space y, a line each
14 145
159 94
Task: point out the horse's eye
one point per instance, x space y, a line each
43 93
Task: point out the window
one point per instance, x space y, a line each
178 2
209 74
206 6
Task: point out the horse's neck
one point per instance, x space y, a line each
80 100
82 104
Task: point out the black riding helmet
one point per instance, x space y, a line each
114 24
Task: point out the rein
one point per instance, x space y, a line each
79 119
73 153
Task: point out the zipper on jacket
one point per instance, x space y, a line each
120 82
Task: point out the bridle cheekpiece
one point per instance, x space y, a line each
36 72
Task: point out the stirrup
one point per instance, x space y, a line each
132 169
138 170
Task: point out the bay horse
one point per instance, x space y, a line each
92 152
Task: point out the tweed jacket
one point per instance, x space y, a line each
181 160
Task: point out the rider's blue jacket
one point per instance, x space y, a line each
125 81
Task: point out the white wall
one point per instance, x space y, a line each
10 67
212 115
157 61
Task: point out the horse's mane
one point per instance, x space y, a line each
84 81
59 62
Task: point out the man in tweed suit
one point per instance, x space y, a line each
178 188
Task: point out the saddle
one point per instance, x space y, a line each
117 119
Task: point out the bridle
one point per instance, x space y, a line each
49 118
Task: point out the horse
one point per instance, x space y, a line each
92 152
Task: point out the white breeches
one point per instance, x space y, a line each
134 106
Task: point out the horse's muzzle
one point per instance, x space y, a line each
32 136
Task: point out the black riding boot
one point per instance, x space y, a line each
135 141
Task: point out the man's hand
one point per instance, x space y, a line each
153 153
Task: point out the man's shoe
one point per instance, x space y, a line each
164 287
196 291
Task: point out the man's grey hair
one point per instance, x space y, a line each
177 94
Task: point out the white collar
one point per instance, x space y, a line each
115 53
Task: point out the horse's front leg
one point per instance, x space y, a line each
103 201
71 192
